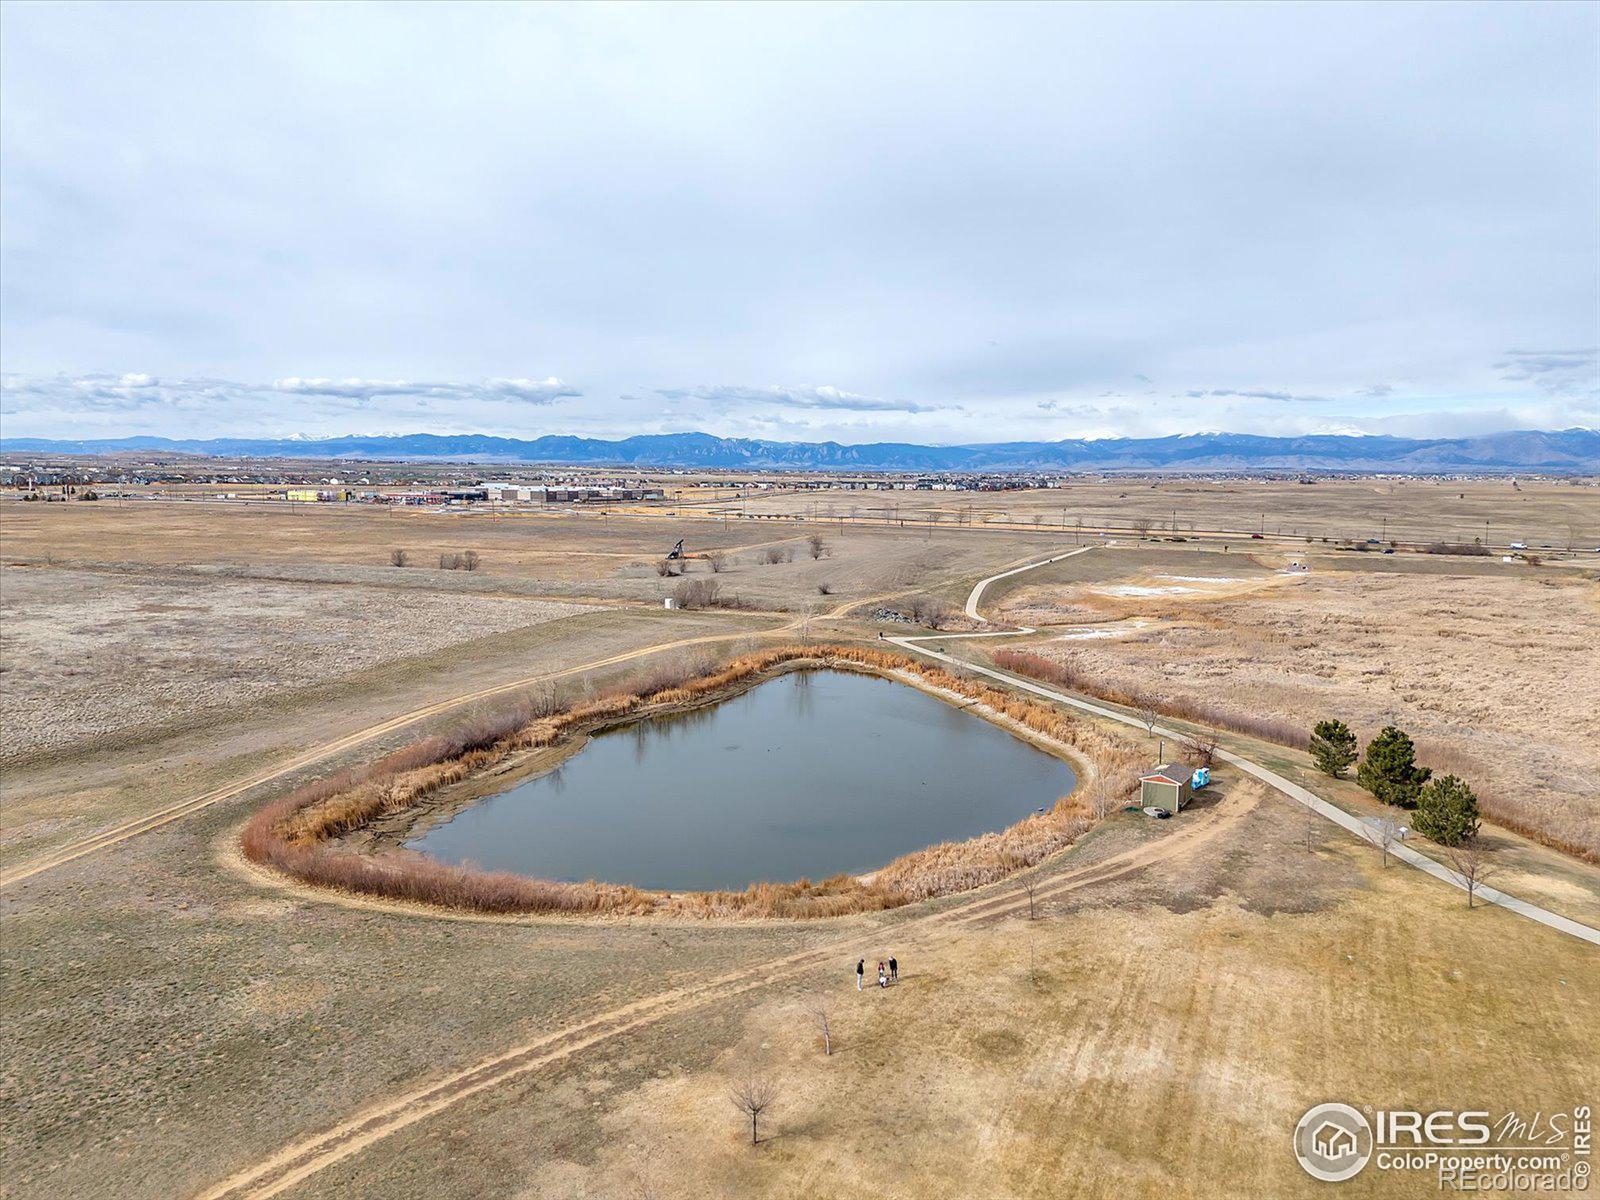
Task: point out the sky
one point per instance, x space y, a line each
941 224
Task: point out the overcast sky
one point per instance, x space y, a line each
940 224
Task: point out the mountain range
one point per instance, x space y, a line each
1570 451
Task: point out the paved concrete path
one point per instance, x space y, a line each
1271 778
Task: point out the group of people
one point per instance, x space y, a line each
887 972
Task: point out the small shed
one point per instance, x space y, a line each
1169 786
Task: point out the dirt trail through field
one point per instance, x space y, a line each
300 1160
141 825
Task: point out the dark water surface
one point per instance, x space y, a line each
809 774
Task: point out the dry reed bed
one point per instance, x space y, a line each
1446 758
294 833
1066 674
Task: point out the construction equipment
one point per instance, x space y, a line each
676 552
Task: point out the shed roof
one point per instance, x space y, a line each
1170 773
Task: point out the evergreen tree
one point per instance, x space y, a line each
1447 812
1333 747
1389 769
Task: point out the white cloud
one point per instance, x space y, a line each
823 397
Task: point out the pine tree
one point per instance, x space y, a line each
1333 747
1447 812
1389 769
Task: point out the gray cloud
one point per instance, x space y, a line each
528 391
785 397
664 211
66 396
1276 397
1558 372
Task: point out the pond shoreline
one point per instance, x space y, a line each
309 837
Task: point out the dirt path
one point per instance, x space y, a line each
145 824
302 1159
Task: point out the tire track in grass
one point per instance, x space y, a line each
118 834
302 1159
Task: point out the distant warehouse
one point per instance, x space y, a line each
520 493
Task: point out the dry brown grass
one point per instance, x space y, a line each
1067 673
1493 676
294 834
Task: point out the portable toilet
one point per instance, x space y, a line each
1202 776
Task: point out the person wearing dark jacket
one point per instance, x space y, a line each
861 972
894 971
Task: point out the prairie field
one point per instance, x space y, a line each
92 653
181 1016
1549 514
1477 668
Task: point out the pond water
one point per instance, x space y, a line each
805 775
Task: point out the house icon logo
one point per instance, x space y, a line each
1333 1142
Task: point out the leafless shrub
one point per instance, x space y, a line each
1471 862
824 589
928 610
1383 832
816 545
449 562
469 560
717 561
1200 749
817 1009
753 1096
1467 548
696 593
399 558
666 568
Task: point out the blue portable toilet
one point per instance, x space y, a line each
1202 776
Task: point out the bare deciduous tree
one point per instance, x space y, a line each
1202 747
752 1096
818 1009
817 546
1472 863
1383 832
1148 715
1141 526
399 558
1031 888
927 610
469 560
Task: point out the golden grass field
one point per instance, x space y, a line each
173 1019
1477 667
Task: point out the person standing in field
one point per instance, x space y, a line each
861 971
894 970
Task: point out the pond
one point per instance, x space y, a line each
806 775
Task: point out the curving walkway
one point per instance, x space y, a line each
1272 779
